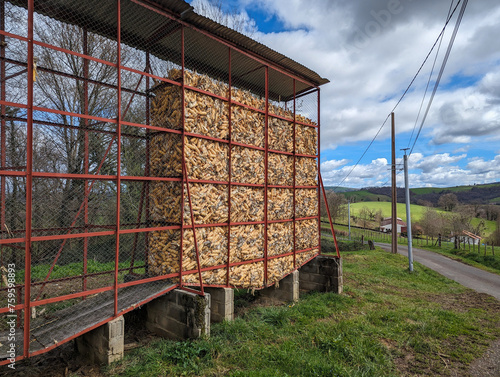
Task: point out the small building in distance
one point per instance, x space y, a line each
386 225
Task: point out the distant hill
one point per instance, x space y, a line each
477 194
339 189
367 196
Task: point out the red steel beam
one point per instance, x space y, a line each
320 182
293 178
3 131
329 218
29 184
183 148
86 158
266 178
192 226
118 153
229 169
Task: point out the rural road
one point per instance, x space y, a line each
468 276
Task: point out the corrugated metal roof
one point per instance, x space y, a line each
147 30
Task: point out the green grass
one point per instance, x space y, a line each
388 322
487 262
417 211
39 272
365 196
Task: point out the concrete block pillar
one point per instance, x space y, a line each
286 290
104 344
179 315
222 304
323 274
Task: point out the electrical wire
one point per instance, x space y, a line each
443 65
428 81
403 95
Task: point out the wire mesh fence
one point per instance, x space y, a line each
140 154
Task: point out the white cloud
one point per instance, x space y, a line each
370 51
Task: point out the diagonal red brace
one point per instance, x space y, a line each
329 216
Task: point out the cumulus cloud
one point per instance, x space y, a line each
370 51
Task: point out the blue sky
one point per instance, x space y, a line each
370 51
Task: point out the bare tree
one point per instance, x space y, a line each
232 18
432 223
448 201
336 204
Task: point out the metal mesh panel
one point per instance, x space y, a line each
206 63
14 69
12 294
96 19
16 17
307 107
69 210
110 122
280 94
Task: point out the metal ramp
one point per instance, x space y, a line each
49 330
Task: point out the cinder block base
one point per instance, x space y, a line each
323 274
104 344
222 304
286 290
179 315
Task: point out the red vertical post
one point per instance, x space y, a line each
319 177
183 115
3 131
29 184
229 106
118 153
266 158
147 171
293 178
86 158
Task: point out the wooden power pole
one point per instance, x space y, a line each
394 224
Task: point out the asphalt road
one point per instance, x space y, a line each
468 276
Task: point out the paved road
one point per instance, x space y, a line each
470 277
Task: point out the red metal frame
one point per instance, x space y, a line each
87 231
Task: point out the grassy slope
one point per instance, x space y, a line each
427 190
416 212
365 196
387 323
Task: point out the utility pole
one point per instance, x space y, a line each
349 217
394 220
408 213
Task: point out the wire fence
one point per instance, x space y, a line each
140 154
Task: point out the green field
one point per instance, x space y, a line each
365 196
416 212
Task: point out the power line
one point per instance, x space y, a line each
429 80
403 95
443 65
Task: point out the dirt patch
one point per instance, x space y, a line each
463 302
489 364
444 363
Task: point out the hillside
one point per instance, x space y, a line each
417 212
477 194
